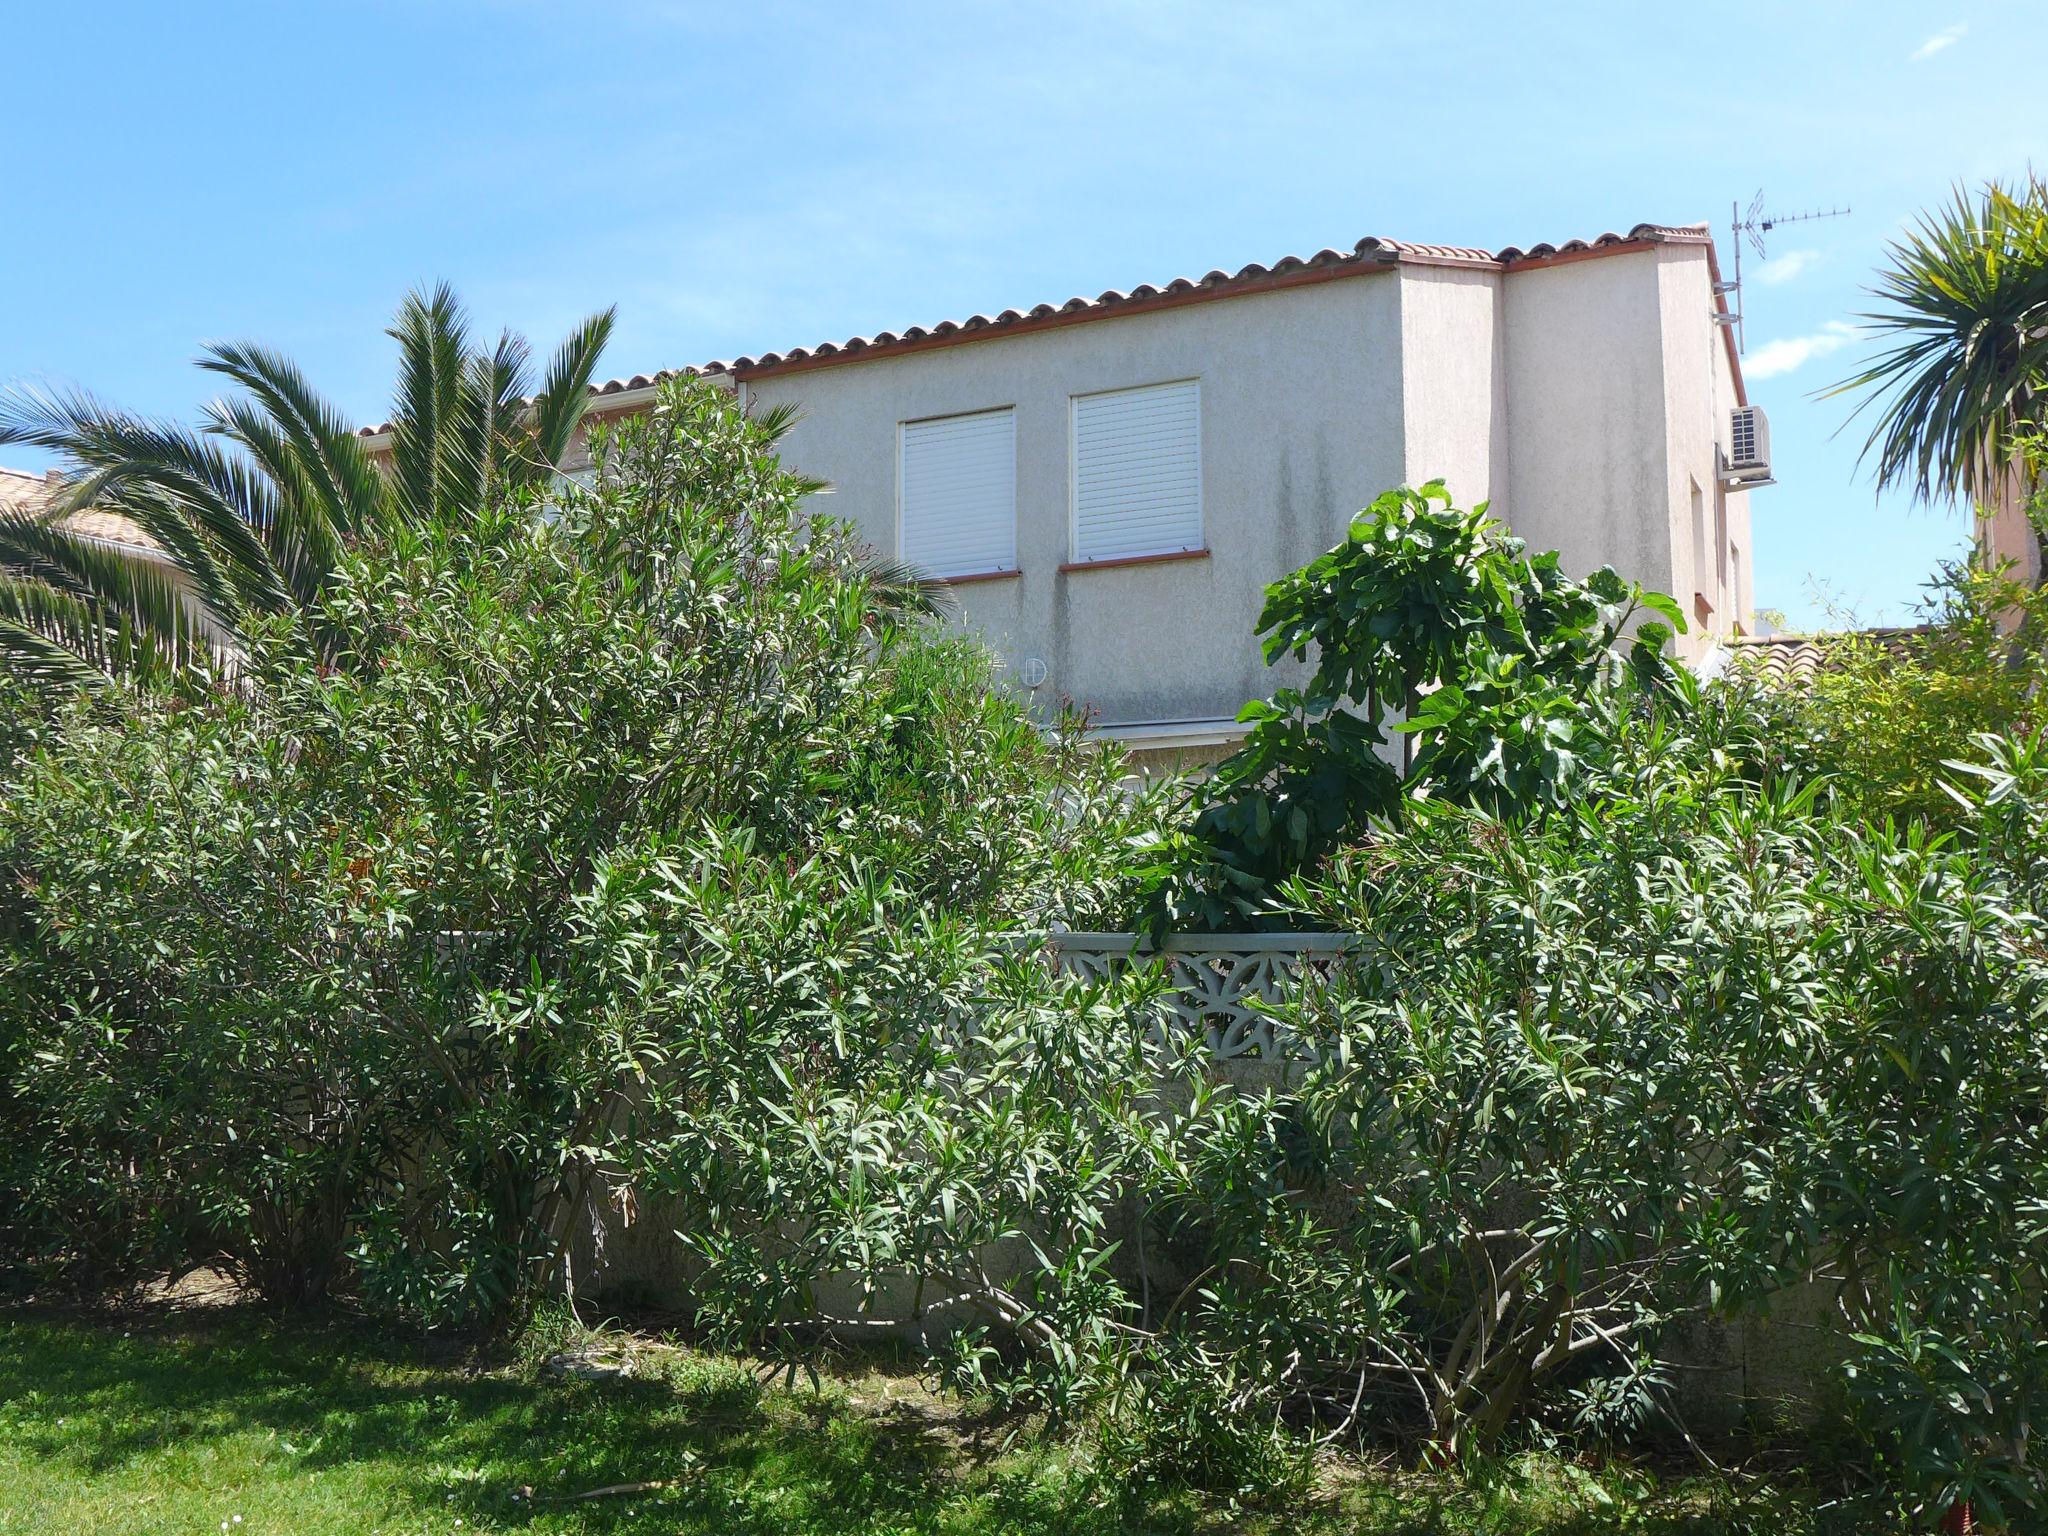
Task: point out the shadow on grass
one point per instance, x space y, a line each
104 1396
404 1424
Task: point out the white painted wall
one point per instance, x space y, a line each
1454 382
1618 399
1301 426
1588 468
1584 399
1700 396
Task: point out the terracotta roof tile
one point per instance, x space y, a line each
110 527
1655 234
1373 251
1795 660
22 492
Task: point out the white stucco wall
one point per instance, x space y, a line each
1301 426
1700 396
1583 397
1454 382
1588 468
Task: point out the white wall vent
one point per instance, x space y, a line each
957 494
1749 448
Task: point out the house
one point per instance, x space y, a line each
1109 484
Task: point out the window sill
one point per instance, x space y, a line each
973 577
1122 560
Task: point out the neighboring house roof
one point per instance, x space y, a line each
24 492
21 491
1370 254
1795 660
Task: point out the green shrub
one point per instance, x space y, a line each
378 970
1174 1428
1884 714
1690 1041
1496 672
634 845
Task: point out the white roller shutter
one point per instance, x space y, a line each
1138 472
957 493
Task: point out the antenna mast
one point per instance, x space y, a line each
1753 224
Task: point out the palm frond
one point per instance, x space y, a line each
331 455
203 507
1965 312
301 536
565 389
433 347
29 654
500 388
899 590
113 616
60 620
253 514
464 446
113 586
776 420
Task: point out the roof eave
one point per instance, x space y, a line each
833 355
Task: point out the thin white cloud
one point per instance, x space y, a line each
1787 265
1789 352
1947 37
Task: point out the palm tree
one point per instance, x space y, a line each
1964 381
250 514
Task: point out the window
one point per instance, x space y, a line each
956 478
1137 468
1702 557
1721 549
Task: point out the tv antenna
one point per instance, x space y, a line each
1752 225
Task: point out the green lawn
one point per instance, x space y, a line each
199 1421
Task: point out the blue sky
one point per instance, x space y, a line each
745 177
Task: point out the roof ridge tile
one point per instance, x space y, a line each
1372 251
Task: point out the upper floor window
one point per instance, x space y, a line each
1137 468
957 493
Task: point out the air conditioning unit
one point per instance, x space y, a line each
1749 449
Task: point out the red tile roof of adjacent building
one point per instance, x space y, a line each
22 492
1370 254
1795 660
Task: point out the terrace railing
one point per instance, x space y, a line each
1217 981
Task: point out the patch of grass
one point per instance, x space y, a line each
198 1422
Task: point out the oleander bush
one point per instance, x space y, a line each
1653 1055
1690 1043
367 964
631 853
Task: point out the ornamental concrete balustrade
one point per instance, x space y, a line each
1219 984
1219 988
